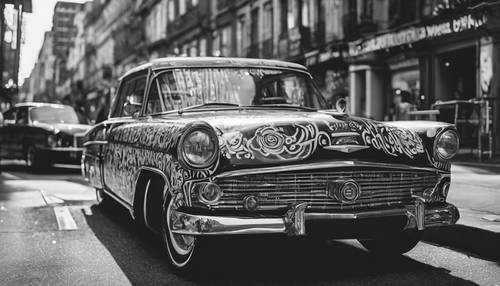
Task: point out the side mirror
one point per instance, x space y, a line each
341 105
132 108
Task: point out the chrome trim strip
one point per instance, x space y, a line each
322 165
119 200
64 149
346 148
94 142
213 225
357 215
293 222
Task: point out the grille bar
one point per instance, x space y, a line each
278 190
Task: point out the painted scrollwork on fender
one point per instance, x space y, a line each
393 141
133 147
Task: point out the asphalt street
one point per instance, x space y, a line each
52 232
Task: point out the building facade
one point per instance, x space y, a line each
428 54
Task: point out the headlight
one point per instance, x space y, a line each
446 145
198 148
52 141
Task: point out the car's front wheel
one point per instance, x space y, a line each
35 160
181 249
393 245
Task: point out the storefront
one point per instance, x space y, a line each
444 67
329 71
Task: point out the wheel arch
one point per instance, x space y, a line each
146 203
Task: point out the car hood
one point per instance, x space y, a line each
257 137
70 129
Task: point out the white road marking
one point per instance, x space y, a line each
50 199
64 218
87 211
9 176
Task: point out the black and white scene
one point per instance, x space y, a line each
250 142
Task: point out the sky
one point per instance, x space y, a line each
36 24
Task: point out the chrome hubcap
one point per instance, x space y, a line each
182 244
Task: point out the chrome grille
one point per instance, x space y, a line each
78 140
379 188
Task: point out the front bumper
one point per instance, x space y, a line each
293 223
64 155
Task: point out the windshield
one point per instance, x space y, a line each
177 88
54 114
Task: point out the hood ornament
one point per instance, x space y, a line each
346 148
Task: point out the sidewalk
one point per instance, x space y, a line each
467 158
475 190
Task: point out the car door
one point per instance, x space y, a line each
118 173
6 132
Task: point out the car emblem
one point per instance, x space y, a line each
343 190
346 148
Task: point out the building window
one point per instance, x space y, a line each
193 49
365 12
171 10
284 16
225 41
293 14
182 7
242 36
268 30
254 29
268 21
203 47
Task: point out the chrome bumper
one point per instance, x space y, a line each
293 222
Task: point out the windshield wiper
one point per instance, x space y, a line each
210 104
285 106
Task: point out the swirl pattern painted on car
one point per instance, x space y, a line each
287 142
299 141
132 147
393 141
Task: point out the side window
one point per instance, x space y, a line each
133 96
154 104
22 116
129 98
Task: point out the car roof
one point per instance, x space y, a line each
39 104
184 62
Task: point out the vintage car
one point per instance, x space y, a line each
42 134
198 147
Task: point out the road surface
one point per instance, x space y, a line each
52 232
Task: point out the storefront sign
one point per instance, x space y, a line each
311 58
414 34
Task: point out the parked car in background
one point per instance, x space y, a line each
196 147
42 134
